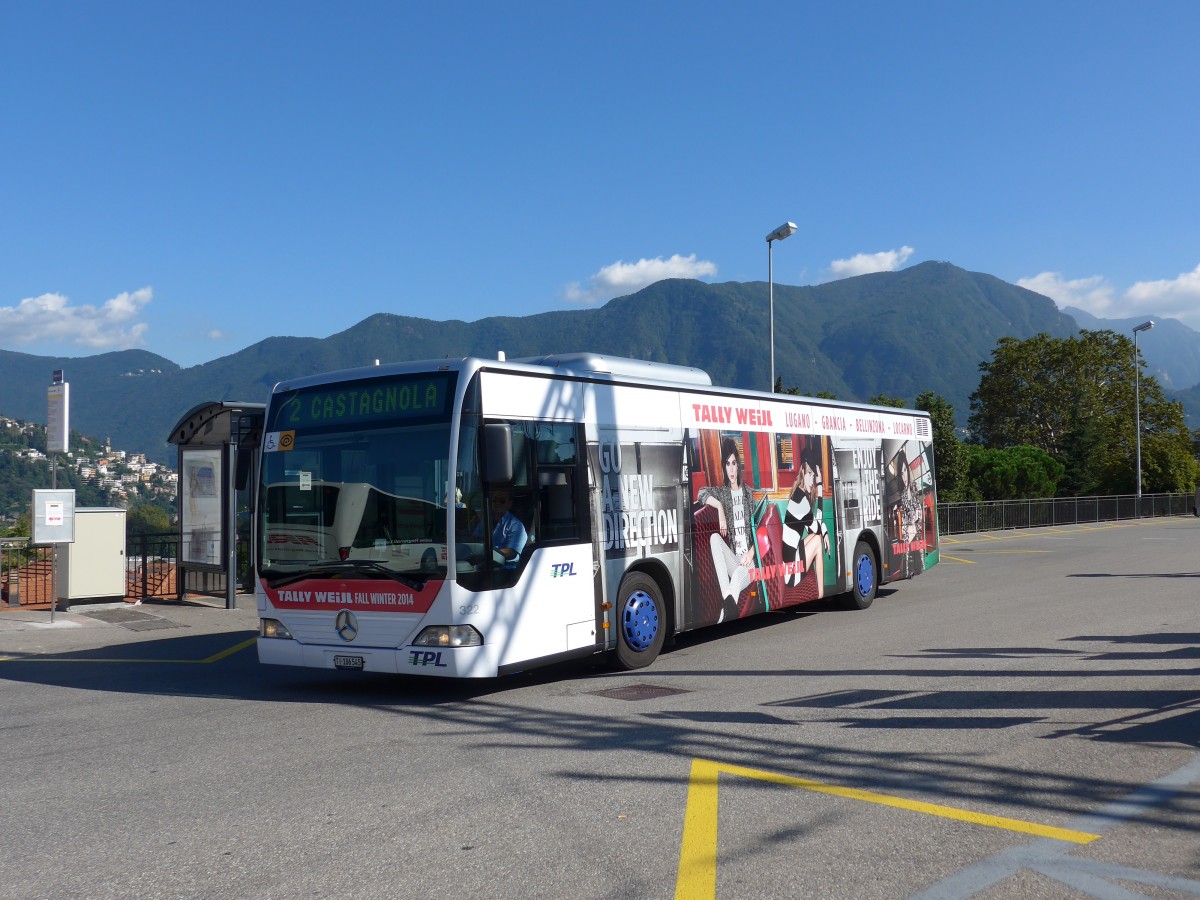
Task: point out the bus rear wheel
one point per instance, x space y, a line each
864 577
641 621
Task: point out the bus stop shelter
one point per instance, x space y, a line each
218 445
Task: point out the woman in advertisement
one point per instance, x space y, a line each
805 535
733 542
907 519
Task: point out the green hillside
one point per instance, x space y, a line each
923 328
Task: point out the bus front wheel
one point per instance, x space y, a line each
864 577
641 621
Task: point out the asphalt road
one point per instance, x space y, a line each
1021 721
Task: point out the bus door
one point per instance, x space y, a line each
552 572
563 526
640 500
601 521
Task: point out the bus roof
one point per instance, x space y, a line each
562 363
600 364
581 364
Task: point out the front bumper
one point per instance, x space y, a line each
444 662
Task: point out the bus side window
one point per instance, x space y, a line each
545 482
557 467
557 497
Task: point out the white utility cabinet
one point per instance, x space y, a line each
94 565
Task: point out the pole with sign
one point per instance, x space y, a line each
53 523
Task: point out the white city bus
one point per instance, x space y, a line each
650 502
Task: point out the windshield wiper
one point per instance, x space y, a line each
329 566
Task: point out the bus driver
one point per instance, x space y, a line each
508 533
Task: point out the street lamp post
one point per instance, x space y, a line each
786 230
1137 403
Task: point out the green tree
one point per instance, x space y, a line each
1030 390
1073 398
949 454
780 389
1012 473
21 526
147 518
886 400
1167 463
1084 475
795 391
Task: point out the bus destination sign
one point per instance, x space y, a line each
374 402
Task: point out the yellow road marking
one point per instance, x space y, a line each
697 876
698 851
959 559
1012 552
216 657
1040 531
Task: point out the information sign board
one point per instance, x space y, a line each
53 516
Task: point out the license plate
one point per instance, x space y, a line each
347 662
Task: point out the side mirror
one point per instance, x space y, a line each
497 453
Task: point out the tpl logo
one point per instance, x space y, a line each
426 658
562 569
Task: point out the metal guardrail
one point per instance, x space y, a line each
23 570
151 563
150 570
995 515
24 573
151 566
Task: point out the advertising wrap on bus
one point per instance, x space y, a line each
761 516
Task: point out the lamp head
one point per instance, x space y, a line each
1145 326
786 230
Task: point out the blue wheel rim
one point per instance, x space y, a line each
639 621
864 575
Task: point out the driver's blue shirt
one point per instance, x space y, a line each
509 534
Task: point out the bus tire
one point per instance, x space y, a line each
641 621
864 576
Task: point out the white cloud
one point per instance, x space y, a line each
1177 298
866 263
217 335
1094 294
51 317
625 278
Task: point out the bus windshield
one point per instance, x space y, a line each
357 486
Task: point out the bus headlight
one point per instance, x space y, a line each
449 636
273 628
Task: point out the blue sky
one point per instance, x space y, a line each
193 178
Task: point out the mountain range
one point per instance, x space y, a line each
927 327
